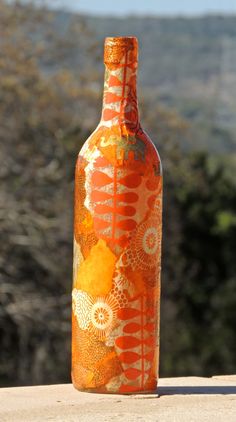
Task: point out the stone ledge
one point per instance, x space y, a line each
187 399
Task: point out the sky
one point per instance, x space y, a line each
157 7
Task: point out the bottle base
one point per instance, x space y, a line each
102 390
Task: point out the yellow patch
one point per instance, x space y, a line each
95 273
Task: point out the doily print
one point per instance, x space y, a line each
150 241
117 247
122 288
81 305
77 260
145 245
101 315
97 315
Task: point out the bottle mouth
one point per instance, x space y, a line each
116 48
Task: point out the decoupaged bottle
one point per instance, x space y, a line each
117 241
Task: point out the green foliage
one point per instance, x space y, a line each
188 64
204 319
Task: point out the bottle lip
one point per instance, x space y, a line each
116 47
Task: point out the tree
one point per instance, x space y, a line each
199 333
36 112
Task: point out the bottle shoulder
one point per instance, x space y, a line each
120 146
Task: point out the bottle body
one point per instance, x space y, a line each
117 260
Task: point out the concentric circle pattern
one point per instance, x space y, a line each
117 246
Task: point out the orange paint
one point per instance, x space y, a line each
117 246
92 272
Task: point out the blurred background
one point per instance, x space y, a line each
51 81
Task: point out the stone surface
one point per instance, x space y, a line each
177 400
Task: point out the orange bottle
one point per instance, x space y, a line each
117 241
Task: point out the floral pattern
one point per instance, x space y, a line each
117 247
97 315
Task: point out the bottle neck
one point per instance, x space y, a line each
120 107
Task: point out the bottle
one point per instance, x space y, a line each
117 241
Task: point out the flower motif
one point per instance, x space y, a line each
101 315
95 314
144 248
150 240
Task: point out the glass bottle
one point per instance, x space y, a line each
117 241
